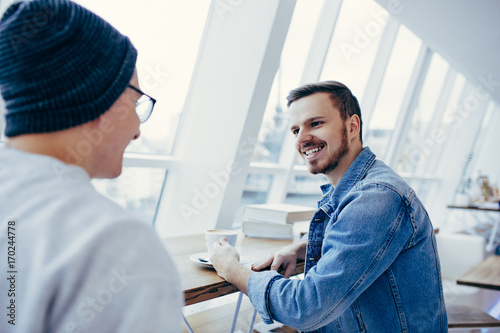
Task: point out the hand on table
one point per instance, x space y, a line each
285 257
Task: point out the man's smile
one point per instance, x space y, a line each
312 152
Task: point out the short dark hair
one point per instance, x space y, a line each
341 96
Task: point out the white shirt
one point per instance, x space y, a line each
82 263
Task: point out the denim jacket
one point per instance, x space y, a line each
371 262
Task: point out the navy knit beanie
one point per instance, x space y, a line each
60 66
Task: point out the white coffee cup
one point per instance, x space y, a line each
215 235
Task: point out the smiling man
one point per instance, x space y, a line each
371 258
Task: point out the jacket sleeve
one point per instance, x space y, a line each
361 242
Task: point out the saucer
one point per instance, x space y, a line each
198 258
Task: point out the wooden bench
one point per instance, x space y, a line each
463 316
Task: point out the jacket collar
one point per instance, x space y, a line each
353 175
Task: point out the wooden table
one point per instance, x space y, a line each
200 282
475 208
486 274
491 241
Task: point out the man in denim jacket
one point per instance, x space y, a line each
371 257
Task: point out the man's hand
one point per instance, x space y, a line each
224 257
286 258
226 262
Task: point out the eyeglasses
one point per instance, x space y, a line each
144 106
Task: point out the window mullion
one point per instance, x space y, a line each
312 71
465 124
408 107
378 70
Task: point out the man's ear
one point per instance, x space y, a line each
354 127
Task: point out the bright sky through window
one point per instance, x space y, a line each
167 35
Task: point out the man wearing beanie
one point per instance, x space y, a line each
78 262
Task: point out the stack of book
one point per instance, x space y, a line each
274 220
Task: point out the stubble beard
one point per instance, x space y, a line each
332 163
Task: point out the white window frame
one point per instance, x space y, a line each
224 107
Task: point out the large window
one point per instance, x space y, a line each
480 164
137 189
274 127
419 138
245 57
349 59
392 92
166 58
354 45
305 190
433 154
293 60
257 187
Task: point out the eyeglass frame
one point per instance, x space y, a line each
150 99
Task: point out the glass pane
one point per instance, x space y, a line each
137 190
307 184
255 192
166 58
451 106
416 151
354 45
293 59
310 200
392 92
305 190
482 144
455 99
